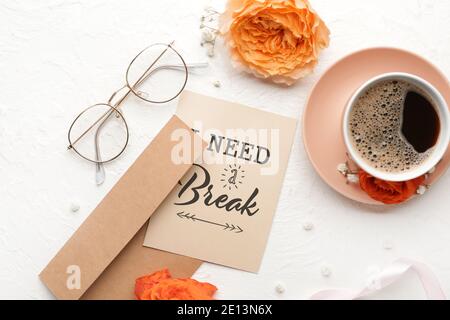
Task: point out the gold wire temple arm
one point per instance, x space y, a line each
169 66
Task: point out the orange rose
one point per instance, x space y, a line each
161 286
274 39
387 191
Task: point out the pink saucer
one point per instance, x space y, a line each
322 135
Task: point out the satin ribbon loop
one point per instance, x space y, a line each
387 276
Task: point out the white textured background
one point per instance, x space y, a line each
57 57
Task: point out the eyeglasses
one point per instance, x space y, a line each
99 134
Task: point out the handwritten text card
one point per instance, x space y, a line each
222 209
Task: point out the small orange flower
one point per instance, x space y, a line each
388 192
161 286
278 40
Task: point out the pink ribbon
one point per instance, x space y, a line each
387 276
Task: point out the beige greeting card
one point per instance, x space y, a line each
222 210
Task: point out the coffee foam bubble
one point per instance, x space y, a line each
375 128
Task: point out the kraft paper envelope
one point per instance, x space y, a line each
223 208
105 255
135 260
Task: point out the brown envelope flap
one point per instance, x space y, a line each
120 215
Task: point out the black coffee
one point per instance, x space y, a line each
394 126
420 122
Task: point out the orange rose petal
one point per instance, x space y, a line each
160 286
147 282
178 289
205 287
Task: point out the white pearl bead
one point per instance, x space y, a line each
74 207
308 226
388 244
279 288
326 271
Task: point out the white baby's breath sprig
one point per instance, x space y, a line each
209 26
350 175
422 189
342 168
352 178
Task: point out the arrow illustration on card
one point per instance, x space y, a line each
226 226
